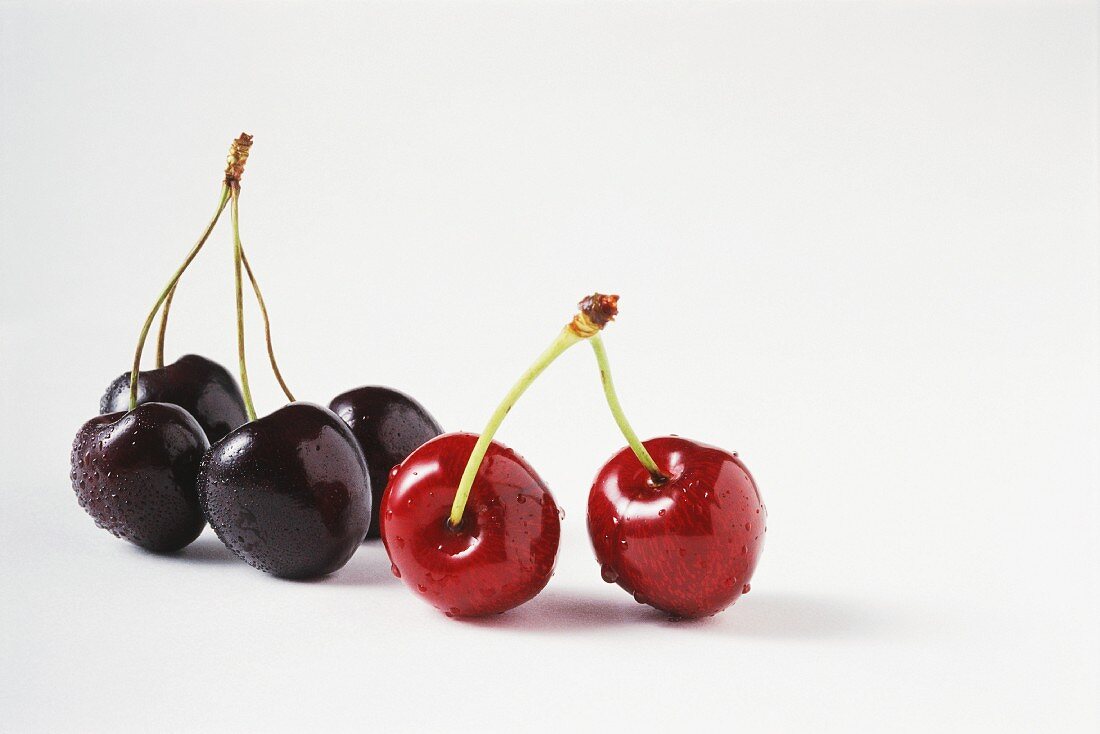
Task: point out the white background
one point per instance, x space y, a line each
855 242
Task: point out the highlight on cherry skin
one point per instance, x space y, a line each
200 386
503 551
134 474
686 544
389 425
289 492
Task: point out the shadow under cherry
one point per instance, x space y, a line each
778 616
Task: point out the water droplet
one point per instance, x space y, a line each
745 589
638 597
395 570
624 544
662 513
520 499
609 574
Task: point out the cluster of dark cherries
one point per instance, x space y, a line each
467 523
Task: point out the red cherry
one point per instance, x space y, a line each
503 551
687 546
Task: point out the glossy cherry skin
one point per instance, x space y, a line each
134 473
203 388
688 546
288 493
504 550
389 425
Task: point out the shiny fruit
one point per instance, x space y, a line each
198 385
501 554
389 426
134 473
288 493
687 546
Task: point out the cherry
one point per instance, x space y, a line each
503 551
134 473
389 425
687 545
677 523
203 388
289 493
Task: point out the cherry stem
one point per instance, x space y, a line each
164 326
161 299
631 437
267 327
250 409
172 290
565 339
596 311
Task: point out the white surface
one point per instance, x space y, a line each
856 243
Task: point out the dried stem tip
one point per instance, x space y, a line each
596 311
238 156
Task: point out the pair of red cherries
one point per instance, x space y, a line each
468 524
472 529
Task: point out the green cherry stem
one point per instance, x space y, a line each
172 291
164 326
250 409
156 307
596 311
267 326
631 437
564 340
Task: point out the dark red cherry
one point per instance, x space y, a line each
501 554
134 473
201 387
688 546
389 425
288 493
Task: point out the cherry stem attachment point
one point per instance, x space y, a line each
631 437
172 291
595 312
250 409
162 298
